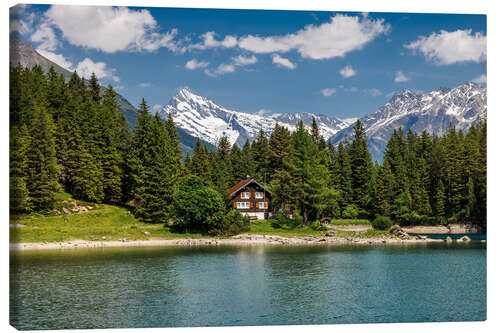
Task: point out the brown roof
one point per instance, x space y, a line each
245 182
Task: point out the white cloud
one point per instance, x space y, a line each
400 77
19 20
480 79
446 48
342 34
347 72
46 37
374 92
86 67
280 61
220 70
263 112
241 60
209 41
110 29
157 108
194 64
327 92
59 59
144 85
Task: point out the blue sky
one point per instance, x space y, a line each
342 64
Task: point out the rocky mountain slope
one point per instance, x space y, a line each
204 118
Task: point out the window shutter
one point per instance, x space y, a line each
265 204
241 195
234 204
250 205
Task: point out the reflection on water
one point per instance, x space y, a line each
216 286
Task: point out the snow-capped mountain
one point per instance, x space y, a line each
432 111
203 118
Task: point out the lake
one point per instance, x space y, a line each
253 285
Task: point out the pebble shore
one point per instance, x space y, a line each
243 239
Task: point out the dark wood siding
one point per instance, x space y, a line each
252 188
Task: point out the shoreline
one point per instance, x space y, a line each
240 240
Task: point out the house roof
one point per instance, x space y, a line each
244 183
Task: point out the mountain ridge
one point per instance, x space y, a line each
432 111
208 120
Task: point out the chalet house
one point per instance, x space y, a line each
251 199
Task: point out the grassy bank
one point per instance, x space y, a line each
104 223
107 223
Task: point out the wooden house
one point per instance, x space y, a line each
251 199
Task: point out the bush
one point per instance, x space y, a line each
317 226
196 206
232 223
350 212
381 223
281 221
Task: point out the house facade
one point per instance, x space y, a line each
251 199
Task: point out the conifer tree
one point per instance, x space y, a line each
200 164
160 174
307 176
94 88
18 169
43 170
261 156
361 166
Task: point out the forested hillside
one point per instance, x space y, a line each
70 135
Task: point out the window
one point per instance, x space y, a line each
262 205
259 195
245 195
243 205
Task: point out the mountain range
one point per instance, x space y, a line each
203 118
200 117
433 111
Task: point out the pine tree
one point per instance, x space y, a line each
94 88
307 176
160 175
440 201
343 175
279 146
261 156
361 165
200 164
173 136
238 167
315 133
18 169
42 166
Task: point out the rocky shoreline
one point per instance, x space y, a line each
243 239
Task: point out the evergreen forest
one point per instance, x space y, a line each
68 135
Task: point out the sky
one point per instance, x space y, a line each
341 64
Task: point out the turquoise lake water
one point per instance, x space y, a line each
258 285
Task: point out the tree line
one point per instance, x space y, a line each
70 136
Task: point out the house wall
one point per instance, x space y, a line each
260 213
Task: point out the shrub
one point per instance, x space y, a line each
381 223
196 206
350 212
232 223
317 226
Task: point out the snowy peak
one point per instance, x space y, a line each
433 111
205 119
